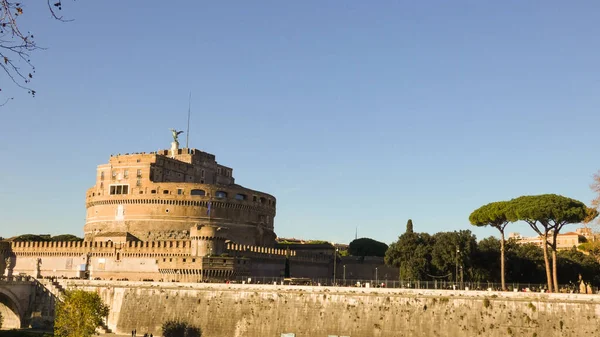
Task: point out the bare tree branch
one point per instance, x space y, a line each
59 6
16 47
3 104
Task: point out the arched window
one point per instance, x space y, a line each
198 192
262 200
221 194
240 196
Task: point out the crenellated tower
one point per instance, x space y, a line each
161 195
207 240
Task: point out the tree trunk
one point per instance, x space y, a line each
502 260
546 262
554 259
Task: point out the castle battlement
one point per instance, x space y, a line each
245 249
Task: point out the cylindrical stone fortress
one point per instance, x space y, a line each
161 195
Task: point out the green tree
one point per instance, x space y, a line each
574 264
547 214
367 247
175 328
525 262
495 215
66 238
452 251
79 314
412 255
409 226
31 237
486 261
592 248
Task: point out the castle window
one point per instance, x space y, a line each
202 173
193 260
114 174
138 182
262 200
221 194
139 173
126 174
179 191
165 191
240 197
102 175
198 192
254 198
101 185
119 189
183 260
153 191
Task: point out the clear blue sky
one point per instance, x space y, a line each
352 113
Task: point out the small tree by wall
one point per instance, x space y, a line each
79 314
176 328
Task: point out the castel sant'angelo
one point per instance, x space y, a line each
161 195
175 215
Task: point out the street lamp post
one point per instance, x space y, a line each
344 274
376 277
334 265
456 271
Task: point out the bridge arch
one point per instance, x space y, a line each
10 309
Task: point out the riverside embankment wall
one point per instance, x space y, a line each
234 310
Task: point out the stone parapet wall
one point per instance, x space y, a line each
258 310
161 260
172 247
248 250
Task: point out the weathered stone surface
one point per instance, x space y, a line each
25 302
256 311
159 196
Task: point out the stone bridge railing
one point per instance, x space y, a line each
19 279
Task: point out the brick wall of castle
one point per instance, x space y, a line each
160 261
159 196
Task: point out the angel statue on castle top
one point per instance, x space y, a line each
176 135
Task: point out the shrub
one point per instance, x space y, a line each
176 328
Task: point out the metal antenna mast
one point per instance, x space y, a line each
187 137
